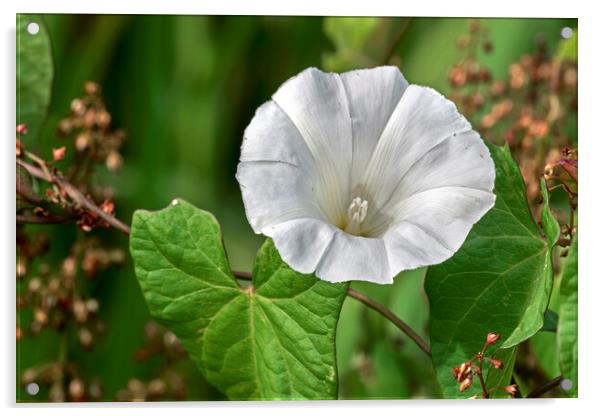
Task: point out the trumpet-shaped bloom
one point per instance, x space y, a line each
359 176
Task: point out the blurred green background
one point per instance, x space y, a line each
184 88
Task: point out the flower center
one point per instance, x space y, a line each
356 214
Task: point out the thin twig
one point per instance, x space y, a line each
393 46
74 194
387 313
78 197
544 388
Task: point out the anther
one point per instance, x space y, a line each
357 211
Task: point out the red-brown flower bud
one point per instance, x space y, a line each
462 372
466 384
497 364
491 338
21 129
512 390
58 154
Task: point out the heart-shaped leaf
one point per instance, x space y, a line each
272 339
499 281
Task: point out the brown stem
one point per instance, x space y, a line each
79 198
395 320
74 194
544 388
393 46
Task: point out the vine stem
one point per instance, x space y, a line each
395 320
81 199
544 388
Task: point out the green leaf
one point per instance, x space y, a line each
499 281
502 377
543 347
567 48
34 74
349 32
567 320
274 339
348 35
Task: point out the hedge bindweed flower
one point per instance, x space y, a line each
359 176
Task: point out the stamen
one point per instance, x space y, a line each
356 214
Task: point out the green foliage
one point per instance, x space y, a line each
34 74
567 320
567 48
499 280
273 339
497 378
348 35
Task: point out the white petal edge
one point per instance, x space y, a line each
272 136
373 95
433 225
315 246
302 242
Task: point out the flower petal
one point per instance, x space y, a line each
350 257
432 225
373 95
317 105
422 119
302 242
462 160
272 136
274 192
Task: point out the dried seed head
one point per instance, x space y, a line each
512 390
465 384
76 389
91 88
21 129
58 154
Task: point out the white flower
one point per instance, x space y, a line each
359 176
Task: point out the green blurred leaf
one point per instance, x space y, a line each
271 340
567 320
34 74
389 383
543 346
349 32
567 48
348 35
499 280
